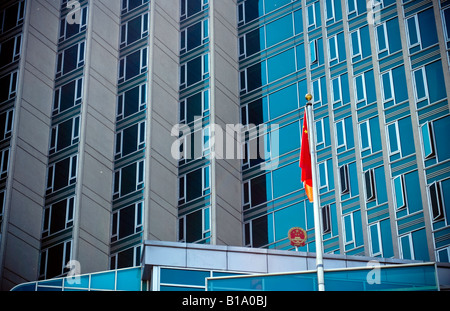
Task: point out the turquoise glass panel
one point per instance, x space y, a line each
285 219
103 281
129 279
279 30
435 76
78 282
165 288
289 138
183 277
374 236
411 278
386 238
441 130
31 287
281 65
283 101
271 5
286 179
56 282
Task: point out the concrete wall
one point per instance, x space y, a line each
19 257
226 214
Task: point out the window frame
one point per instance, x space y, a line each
138 221
72 173
75 135
369 175
439 198
69 210
141 139
145 26
143 65
60 59
78 95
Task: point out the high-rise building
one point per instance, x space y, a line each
179 120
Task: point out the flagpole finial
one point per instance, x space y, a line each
308 97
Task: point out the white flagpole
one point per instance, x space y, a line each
317 225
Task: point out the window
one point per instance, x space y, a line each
130 257
130 139
133 65
54 260
65 134
126 221
326 219
421 30
69 29
195 227
364 85
259 231
195 106
429 149
70 59
333 11
359 46
344 135
393 87
427 84
279 30
348 179
325 174
4 158
445 16
134 30
369 136
313 15
131 101
319 92
323 137
281 65
194 185
8 86
10 50
62 174
252 42
336 49
375 240
12 16
192 7
369 182
194 71
340 91
316 52
388 38
435 139
437 201
58 217
257 191
128 179
194 36
68 96
344 178
399 192
400 139
6 124
356 7
129 5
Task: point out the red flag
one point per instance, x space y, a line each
305 161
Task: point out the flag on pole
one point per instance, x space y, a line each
305 161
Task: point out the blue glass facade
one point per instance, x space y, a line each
380 109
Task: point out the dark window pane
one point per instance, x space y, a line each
58 221
259 190
194 36
194 185
130 140
125 258
193 6
128 182
260 231
126 221
194 70
61 174
194 227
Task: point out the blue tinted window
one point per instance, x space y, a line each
283 101
186 277
386 238
441 129
414 199
289 138
300 49
281 65
286 179
399 79
406 136
298 21
435 77
285 219
380 182
271 5
427 25
279 30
